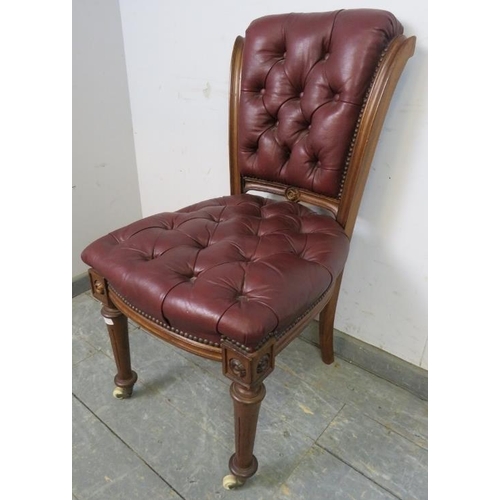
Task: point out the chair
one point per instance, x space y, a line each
236 279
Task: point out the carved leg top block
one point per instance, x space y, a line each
99 287
248 369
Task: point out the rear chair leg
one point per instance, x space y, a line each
117 324
326 318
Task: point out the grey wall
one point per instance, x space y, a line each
105 183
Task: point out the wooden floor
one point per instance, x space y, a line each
325 432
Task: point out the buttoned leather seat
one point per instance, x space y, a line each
242 267
236 278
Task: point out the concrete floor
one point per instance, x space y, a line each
325 432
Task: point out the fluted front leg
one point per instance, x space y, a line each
117 324
247 371
243 463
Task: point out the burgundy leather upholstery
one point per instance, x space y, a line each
244 267
240 266
304 79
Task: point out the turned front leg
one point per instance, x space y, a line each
247 372
117 325
246 402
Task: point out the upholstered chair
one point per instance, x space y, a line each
236 279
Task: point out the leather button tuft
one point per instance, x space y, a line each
262 91
301 94
336 97
326 56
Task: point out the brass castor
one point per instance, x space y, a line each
231 482
122 393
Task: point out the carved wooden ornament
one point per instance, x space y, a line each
248 369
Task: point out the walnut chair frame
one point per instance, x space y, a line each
246 368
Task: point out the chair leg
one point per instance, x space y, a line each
117 324
247 371
243 463
326 318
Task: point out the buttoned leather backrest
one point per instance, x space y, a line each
304 81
